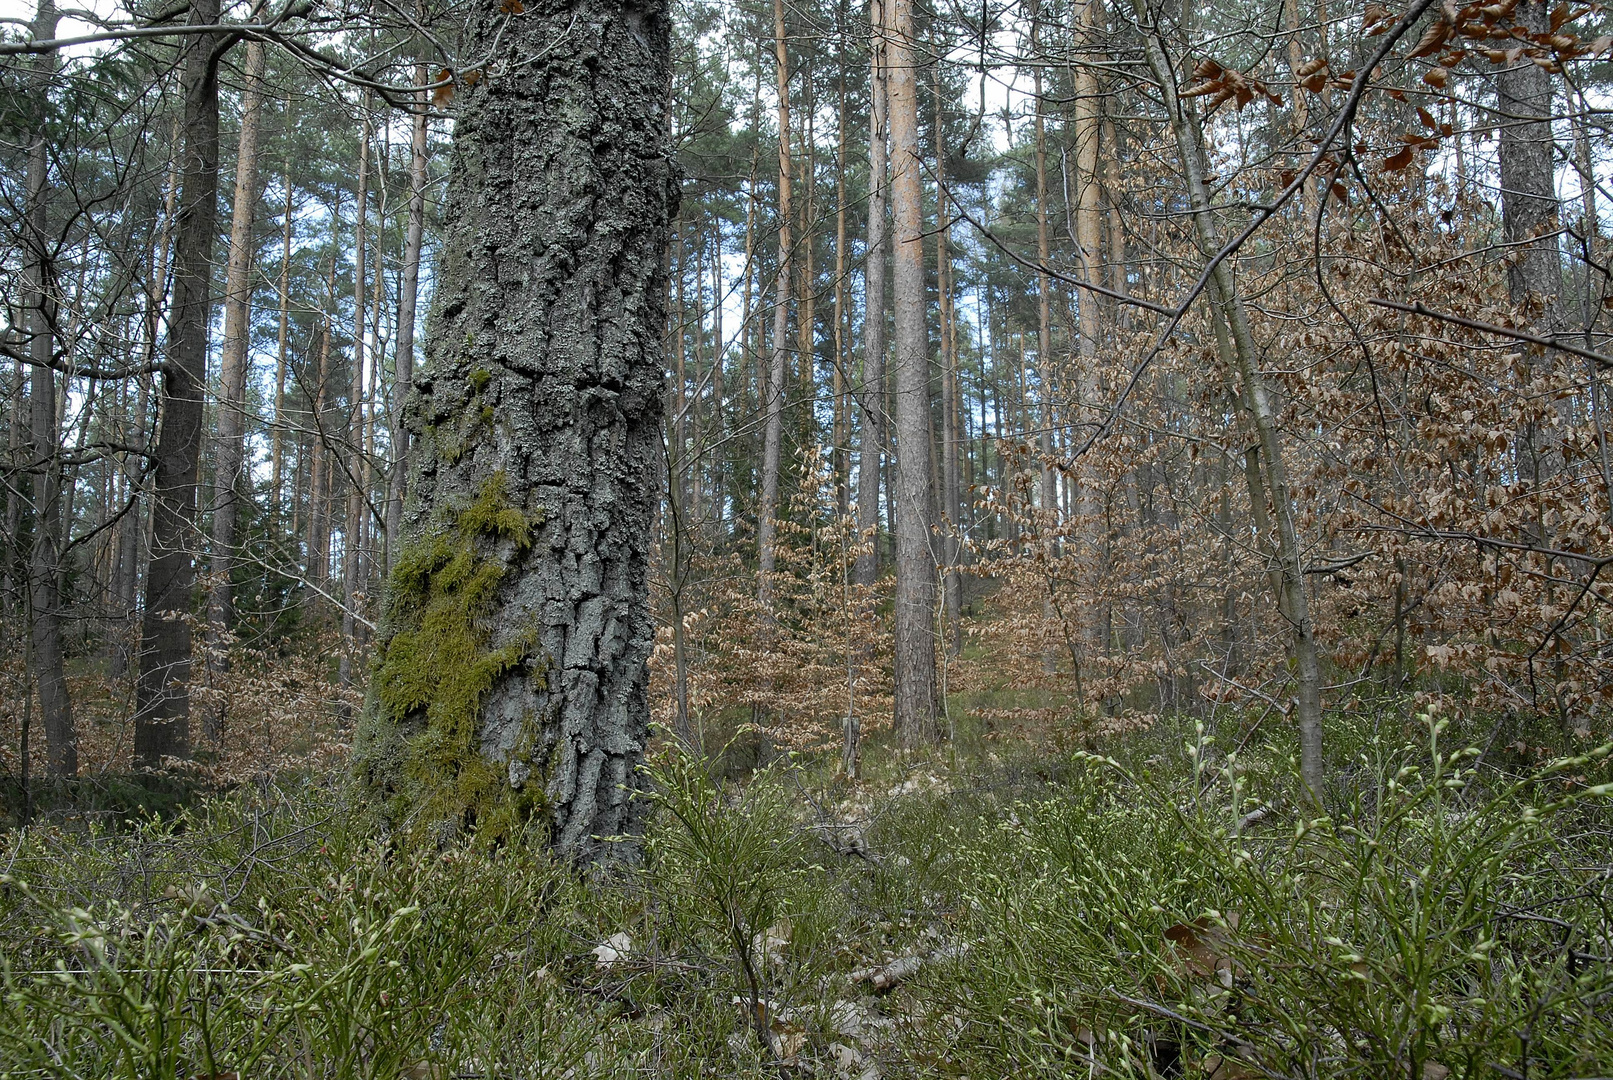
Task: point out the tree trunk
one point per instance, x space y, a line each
1241 355
229 482
1528 185
319 472
408 297
871 444
46 553
951 522
916 715
162 713
353 530
512 656
842 420
1044 299
282 341
773 435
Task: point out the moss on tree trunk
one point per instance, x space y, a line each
509 686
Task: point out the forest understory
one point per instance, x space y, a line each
917 538
1031 899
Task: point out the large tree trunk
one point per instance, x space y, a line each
871 442
229 482
162 715
916 715
773 434
408 296
512 657
45 555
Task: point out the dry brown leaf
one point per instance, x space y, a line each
444 94
1433 38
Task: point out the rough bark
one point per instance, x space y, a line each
871 446
45 554
408 297
229 481
511 672
162 711
773 434
916 713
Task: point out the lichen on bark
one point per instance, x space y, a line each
510 677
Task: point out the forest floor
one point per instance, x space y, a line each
1151 905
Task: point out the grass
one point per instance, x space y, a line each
1165 911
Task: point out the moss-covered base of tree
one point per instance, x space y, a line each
419 740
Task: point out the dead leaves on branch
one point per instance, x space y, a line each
1223 84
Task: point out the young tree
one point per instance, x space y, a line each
510 680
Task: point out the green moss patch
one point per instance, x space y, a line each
440 663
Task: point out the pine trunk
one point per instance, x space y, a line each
916 714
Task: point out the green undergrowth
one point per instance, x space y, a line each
1161 908
438 663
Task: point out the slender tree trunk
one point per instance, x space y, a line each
1241 355
1044 294
47 551
917 721
951 497
842 420
352 532
408 297
871 438
536 464
773 436
1089 239
806 318
278 432
162 715
719 392
229 482
319 472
